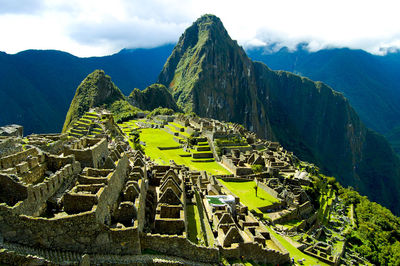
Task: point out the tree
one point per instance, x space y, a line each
257 168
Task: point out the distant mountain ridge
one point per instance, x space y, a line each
37 86
370 82
208 73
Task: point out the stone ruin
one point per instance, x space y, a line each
87 192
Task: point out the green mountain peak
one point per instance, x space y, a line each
210 74
95 90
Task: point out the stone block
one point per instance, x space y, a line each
22 168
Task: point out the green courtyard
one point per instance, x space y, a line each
153 138
246 192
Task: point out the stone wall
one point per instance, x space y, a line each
228 163
9 145
80 233
38 194
178 246
140 202
241 171
11 191
111 192
91 156
256 252
267 189
14 159
55 162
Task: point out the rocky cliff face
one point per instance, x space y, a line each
156 95
210 74
95 90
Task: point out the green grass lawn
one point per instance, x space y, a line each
245 191
194 225
155 138
292 223
176 124
294 252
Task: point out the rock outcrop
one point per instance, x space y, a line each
12 130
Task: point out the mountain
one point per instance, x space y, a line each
370 82
156 95
211 75
37 86
208 73
95 90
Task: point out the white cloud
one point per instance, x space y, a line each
99 27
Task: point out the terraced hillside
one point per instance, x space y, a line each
169 141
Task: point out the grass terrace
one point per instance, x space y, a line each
194 226
155 138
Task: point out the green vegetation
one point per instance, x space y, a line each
294 252
233 141
123 111
245 191
377 237
257 168
194 224
155 138
161 111
195 83
96 89
154 96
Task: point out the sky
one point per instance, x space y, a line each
97 27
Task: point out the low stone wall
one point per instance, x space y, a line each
275 206
9 146
233 179
39 193
178 246
241 171
57 162
8 257
202 155
91 156
228 163
268 189
169 148
14 159
78 233
256 252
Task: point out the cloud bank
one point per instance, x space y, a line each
95 28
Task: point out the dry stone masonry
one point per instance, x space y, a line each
81 196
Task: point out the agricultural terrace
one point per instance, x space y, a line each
156 138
